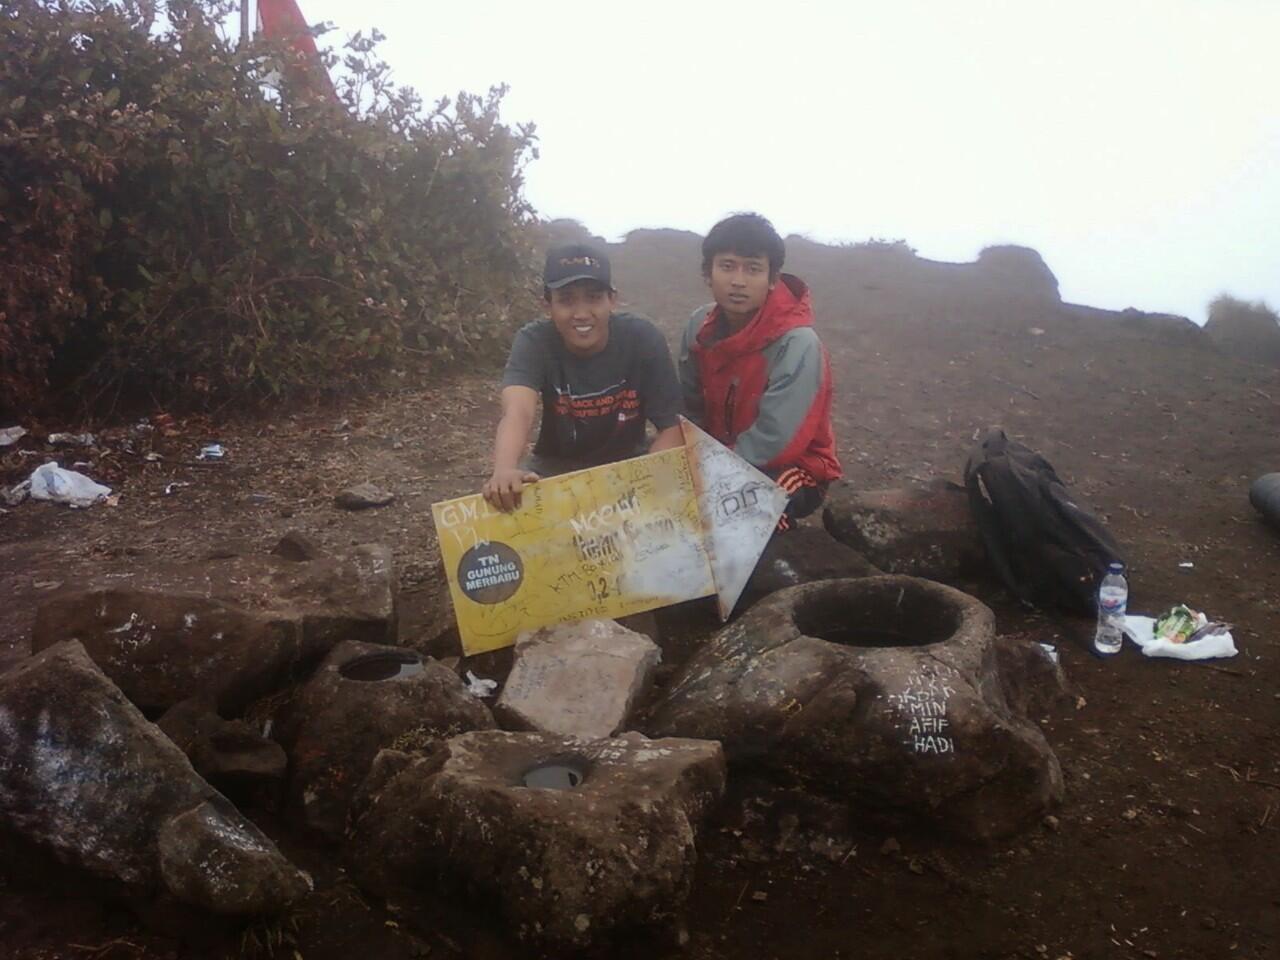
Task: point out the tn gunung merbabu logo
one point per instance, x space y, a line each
490 572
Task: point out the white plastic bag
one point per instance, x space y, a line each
479 686
50 482
1141 630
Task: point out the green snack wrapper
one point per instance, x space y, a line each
1177 625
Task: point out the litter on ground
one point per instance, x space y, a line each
51 482
1199 644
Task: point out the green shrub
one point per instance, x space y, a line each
1244 330
1225 308
189 222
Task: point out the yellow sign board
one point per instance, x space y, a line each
607 542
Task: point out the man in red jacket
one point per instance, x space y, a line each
754 373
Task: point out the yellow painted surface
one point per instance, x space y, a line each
606 542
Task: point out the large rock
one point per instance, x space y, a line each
238 626
351 597
86 778
163 648
1264 495
1018 273
804 554
883 691
566 865
363 699
577 679
923 531
1031 676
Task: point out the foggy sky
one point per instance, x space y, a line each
1134 143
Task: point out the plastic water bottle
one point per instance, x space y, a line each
1113 600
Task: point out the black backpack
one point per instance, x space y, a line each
1046 549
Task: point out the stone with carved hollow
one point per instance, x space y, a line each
363 698
884 691
615 848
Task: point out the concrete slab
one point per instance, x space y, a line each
577 679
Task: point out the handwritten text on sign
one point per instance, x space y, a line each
607 542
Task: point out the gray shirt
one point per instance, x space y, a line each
594 408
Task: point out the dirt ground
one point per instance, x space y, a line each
1167 843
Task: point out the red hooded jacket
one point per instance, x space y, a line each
757 385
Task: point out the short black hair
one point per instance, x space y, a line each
747 235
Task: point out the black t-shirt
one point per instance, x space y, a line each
594 408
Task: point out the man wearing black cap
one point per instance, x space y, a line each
600 374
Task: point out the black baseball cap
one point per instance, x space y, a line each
575 261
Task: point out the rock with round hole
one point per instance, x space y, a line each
570 841
366 697
883 691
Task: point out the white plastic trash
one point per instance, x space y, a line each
50 482
1141 630
71 439
11 435
479 686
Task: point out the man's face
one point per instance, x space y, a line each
580 312
740 285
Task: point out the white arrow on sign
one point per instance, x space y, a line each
740 509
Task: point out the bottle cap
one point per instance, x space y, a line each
1116 567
